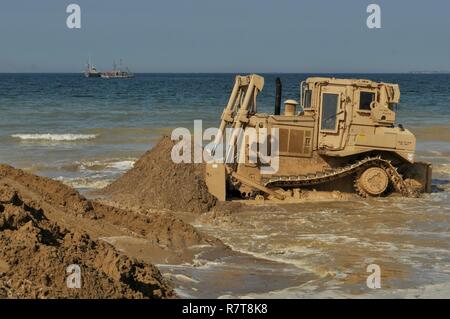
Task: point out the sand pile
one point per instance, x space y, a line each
157 182
66 206
48 190
35 251
45 226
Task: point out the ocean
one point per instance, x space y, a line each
87 132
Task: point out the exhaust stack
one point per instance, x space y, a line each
277 96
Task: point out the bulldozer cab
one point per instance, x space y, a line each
344 108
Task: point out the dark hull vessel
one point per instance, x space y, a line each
116 73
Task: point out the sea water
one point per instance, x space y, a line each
87 132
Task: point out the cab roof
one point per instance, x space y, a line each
356 82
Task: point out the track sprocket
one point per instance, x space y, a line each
372 181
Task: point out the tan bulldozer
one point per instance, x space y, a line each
339 135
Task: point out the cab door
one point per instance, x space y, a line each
331 117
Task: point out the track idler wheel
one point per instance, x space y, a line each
372 181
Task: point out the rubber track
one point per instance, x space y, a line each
334 174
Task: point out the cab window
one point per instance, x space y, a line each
365 98
307 101
329 111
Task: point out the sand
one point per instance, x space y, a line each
46 226
156 181
36 251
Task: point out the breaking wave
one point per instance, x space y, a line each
108 165
85 183
55 137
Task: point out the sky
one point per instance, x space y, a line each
226 36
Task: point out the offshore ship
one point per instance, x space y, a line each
118 72
91 71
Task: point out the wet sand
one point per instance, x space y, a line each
331 244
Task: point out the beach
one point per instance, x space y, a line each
86 134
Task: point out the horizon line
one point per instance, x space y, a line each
237 72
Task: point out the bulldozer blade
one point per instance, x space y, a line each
257 186
215 178
423 174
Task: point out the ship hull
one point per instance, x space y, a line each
93 75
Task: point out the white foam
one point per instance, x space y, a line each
111 164
309 290
442 168
122 165
84 182
184 278
55 137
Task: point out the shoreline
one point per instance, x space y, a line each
309 247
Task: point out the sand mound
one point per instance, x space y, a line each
45 226
99 220
162 229
49 190
157 182
35 252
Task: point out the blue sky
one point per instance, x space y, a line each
226 36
